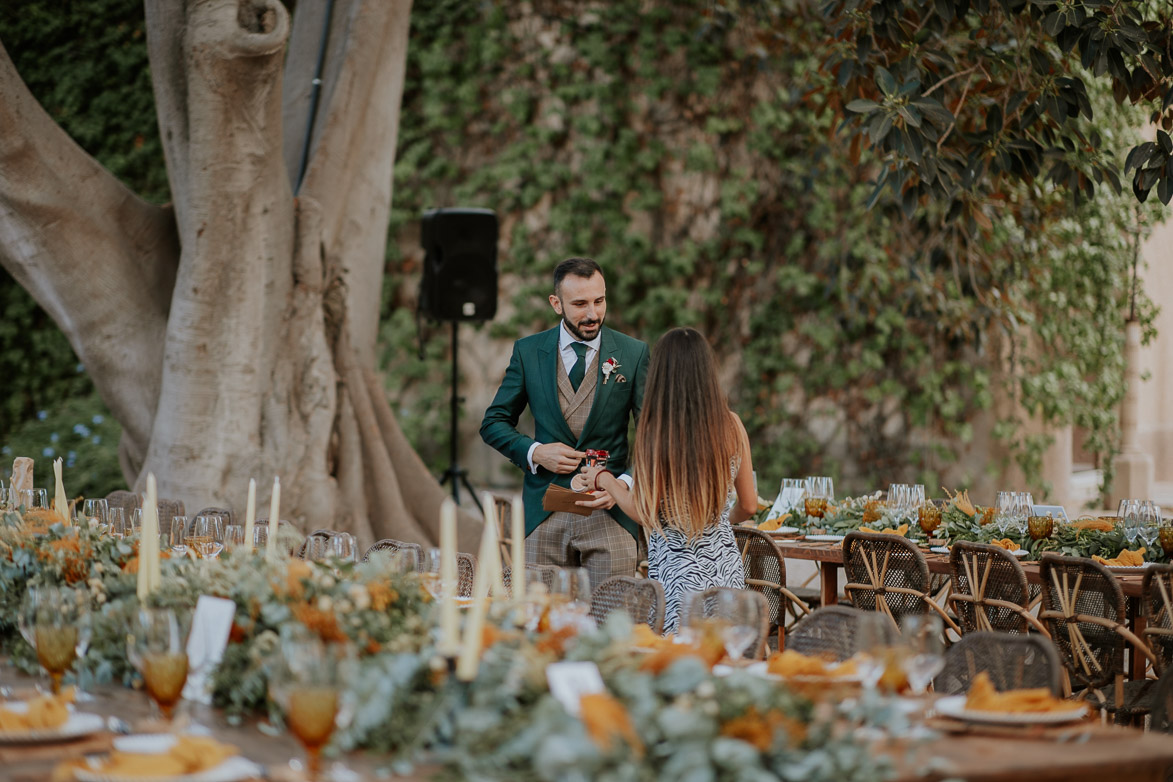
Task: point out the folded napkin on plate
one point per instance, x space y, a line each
1123 559
189 755
1102 524
43 713
210 627
901 530
772 524
559 498
1005 543
792 663
983 697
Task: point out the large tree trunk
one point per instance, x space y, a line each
233 333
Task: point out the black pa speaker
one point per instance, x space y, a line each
460 264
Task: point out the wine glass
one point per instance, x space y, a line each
306 683
430 572
791 494
260 535
34 498
739 621
403 560
157 648
1129 514
570 597
96 510
233 536
116 522
873 635
923 639
135 525
1150 522
898 498
343 546
60 613
179 535
207 536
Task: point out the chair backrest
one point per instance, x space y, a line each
829 632
1074 588
1161 718
549 574
503 514
641 598
982 573
127 500
712 609
316 545
1157 602
1012 660
885 573
168 510
765 571
466 573
226 516
390 544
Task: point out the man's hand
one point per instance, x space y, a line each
558 457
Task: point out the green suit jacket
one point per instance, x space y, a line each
531 379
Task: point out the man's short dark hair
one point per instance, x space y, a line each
579 267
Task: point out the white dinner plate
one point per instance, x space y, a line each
940 549
954 706
827 538
75 727
782 531
758 668
234 769
1129 568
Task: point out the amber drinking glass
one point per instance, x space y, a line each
1040 527
307 684
1165 536
60 615
815 507
157 647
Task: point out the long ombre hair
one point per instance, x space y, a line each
686 439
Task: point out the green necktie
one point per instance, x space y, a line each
578 371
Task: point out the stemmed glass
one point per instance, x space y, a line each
924 643
157 648
96 510
179 535
430 572
343 546
873 635
570 597
234 536
116 522
737 612
790 495
898 498
207 536
61 629
34 498
306 684
1150 522
1129 514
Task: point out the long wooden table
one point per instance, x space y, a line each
829 556
1091 752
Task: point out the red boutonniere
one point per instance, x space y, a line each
609 366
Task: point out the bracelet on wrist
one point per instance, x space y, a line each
599 474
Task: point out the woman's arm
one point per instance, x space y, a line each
586 480
747 499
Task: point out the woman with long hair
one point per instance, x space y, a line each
693 475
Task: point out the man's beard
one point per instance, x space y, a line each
577 334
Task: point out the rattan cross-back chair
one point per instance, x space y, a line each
1013 661
130 502
390 544
712 610
127 500
466 573
989 590
1161 698
503 515
316 545
641 598
548 573
829 632
765 573
1083 606
887 573
1157 603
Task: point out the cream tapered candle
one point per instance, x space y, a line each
150 535
250 514
496 582
474 628
449 617
518 552
274 520
60 501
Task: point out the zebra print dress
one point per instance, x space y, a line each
685 566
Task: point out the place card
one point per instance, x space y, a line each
211 625
570 681
1058 512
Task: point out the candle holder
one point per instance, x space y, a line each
1040 527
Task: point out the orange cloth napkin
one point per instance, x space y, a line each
791 663
1005 543
901 530
189 755
983 697
772 524
1103 524
43 713
1123 559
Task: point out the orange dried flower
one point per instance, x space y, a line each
555 641
752 728
606 719
297 570
382 595
324 623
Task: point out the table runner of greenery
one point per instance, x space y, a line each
681 720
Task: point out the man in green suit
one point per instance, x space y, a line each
583 382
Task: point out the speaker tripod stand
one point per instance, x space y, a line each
455 473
